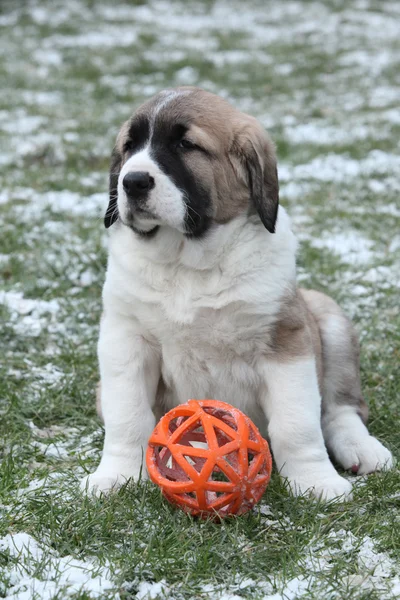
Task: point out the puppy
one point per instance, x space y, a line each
200 301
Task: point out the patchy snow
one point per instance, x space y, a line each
51 481
294 190
212 591
21 123
321 133
39 570
151 591
87 278
339 168
52 450
52 431
351 246
43 98
64 201
29 316
385 277
375 571
16 302
48 374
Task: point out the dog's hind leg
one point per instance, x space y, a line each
344 411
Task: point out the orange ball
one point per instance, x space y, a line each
209 459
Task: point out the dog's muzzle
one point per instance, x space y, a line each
137 185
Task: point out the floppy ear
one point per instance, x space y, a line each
258 159
112 210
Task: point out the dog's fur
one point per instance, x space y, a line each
200 301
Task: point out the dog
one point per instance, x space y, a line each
200 301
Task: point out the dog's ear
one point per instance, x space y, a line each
112 210
257 157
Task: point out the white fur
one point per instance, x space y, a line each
165 200
129 369
350 442
293 406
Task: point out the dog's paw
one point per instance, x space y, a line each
363 454
323 488
103 482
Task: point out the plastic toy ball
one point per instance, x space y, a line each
209 459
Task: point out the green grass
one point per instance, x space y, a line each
82 67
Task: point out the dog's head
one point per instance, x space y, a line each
187 159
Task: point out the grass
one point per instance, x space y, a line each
74 72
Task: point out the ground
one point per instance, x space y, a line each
323 77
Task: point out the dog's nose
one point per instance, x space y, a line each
137 183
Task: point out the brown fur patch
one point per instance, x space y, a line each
296 334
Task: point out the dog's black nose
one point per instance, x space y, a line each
137 182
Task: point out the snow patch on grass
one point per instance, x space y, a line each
352 247
65 201
153 591
339 168
48 374
29 316
375 569
38 572
52 450
324 134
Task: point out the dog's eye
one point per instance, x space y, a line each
186 144
129 146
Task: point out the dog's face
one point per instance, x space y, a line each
188 160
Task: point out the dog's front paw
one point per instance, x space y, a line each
323 488
104 482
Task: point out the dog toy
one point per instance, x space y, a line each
209 459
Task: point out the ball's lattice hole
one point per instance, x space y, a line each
209 458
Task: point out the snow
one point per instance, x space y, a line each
384 276
22 124
322 133
376 571
87 278
151 591
29 316
350 246
43 98
214 592
39 570
49 374
16 302
64 201
377 563
339 168
51 450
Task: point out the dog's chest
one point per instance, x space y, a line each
211 310
208 337
212 357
